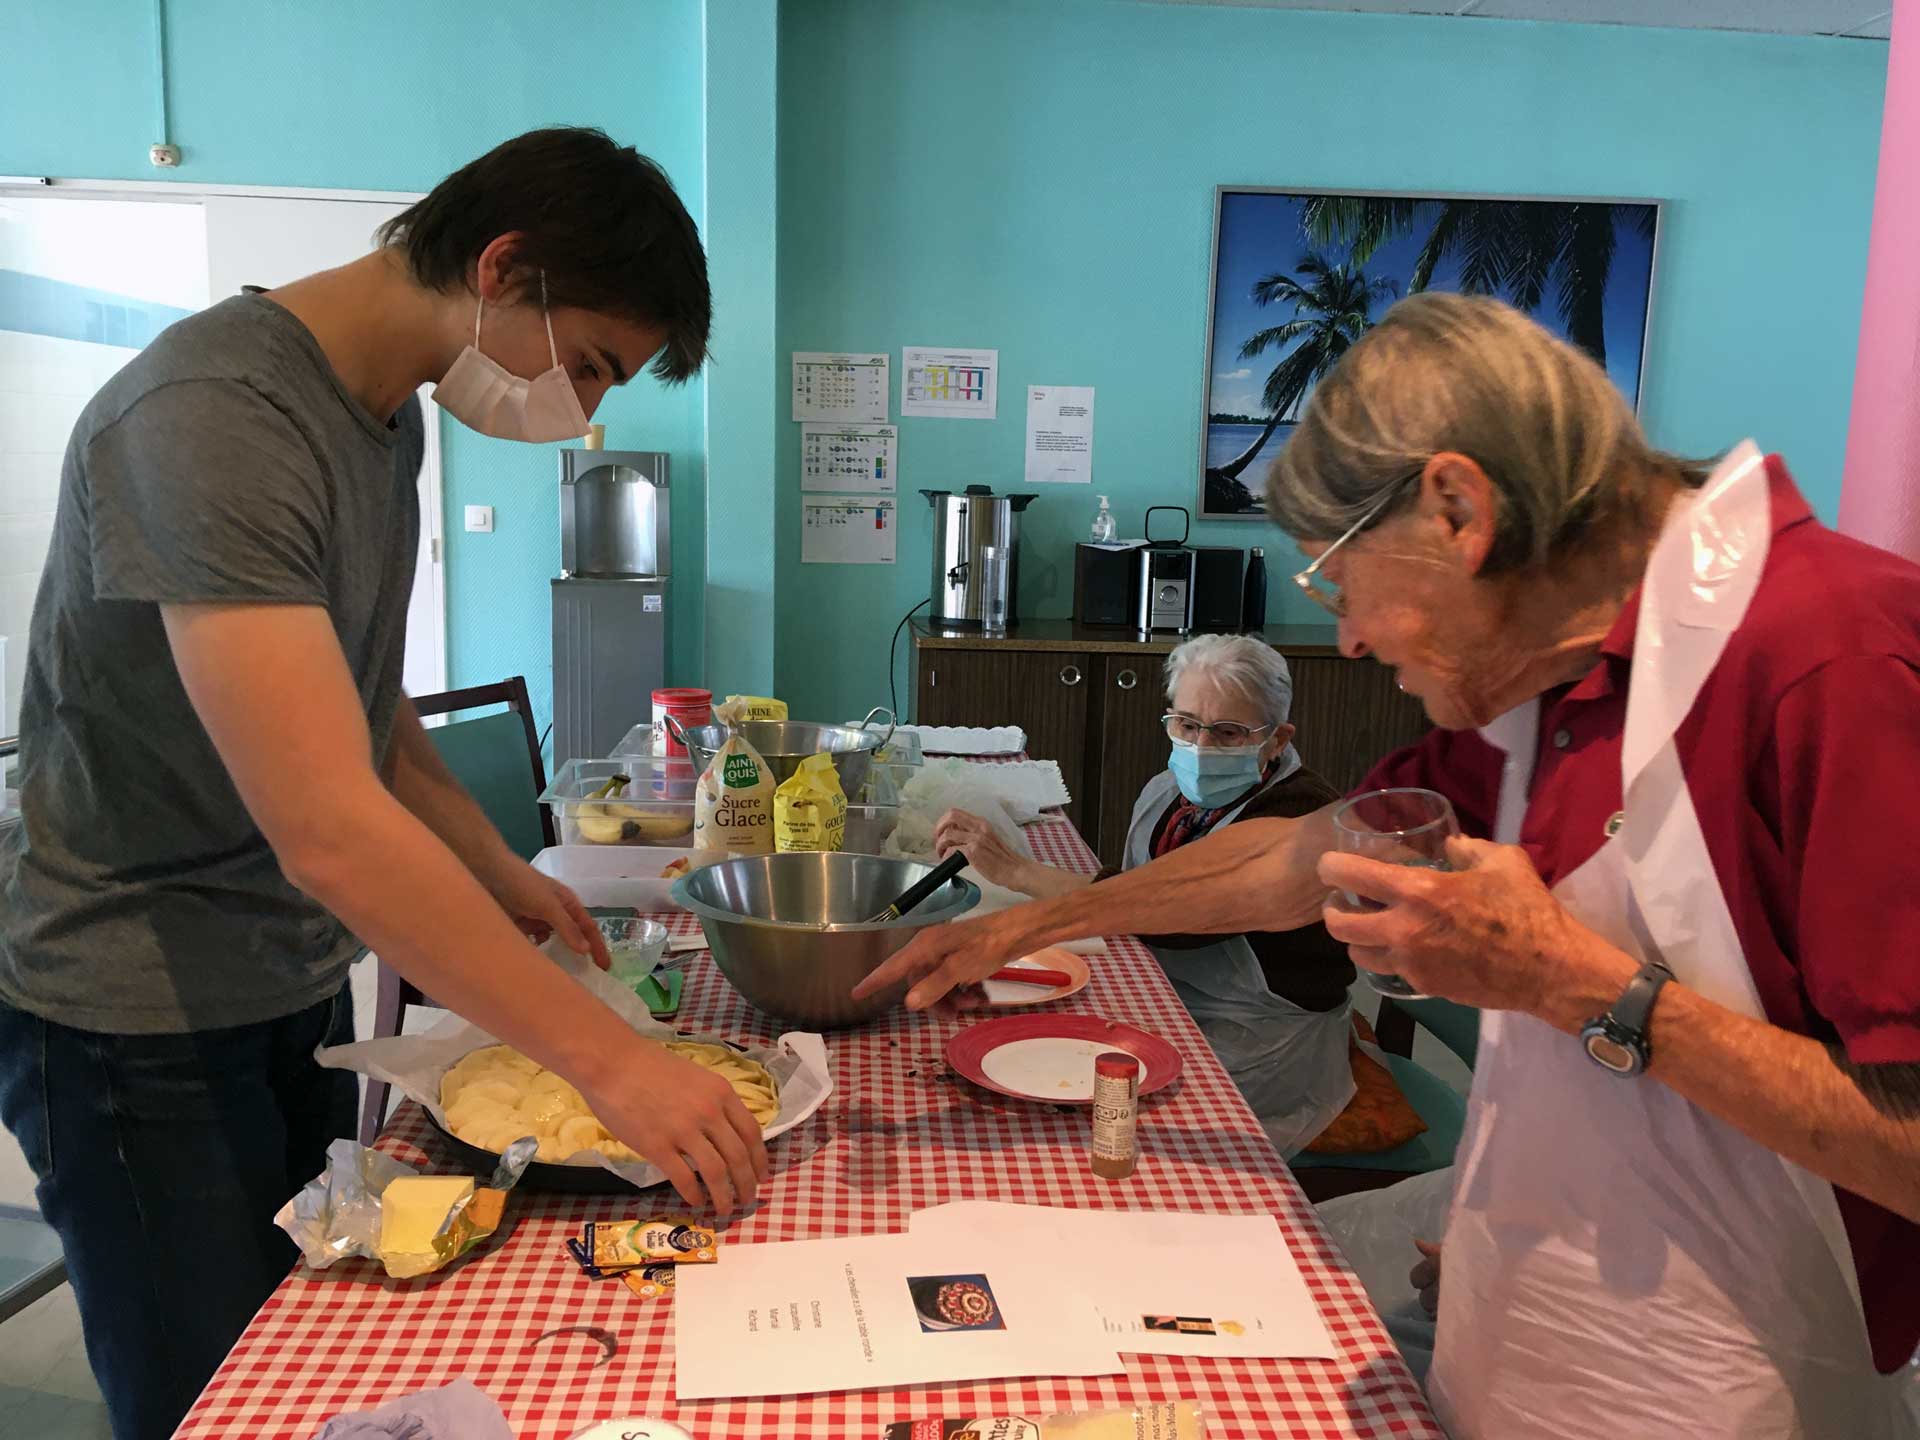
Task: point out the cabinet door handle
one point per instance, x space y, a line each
1069 674
1126 679
933 679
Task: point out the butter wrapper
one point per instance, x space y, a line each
340 1214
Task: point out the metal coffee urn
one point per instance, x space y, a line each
964 524
610 612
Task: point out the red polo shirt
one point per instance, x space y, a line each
1802 757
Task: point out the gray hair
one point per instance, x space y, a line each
1469 374
1236 662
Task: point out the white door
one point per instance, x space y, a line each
269 240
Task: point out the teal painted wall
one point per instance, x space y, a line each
742 37
359 94
1039 177
1035 175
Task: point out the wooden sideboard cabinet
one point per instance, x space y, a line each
1092 699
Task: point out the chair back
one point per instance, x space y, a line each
1455 1026
497 758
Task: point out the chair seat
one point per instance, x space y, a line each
1438 1103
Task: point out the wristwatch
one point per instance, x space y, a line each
1617 1041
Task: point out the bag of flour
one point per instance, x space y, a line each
810 809
758 707
733 803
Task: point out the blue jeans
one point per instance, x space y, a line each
161 1160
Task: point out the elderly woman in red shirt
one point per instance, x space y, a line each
1679 719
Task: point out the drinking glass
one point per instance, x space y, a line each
634 945
1402 827
994 585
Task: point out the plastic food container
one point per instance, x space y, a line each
655 806
625 801
894 764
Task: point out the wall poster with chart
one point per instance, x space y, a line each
843 388
849 457
949 384
847 529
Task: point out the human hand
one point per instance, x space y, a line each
1425 1276
1486 934
687 1121
985 850
541 906
942 958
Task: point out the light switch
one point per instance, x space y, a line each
480 519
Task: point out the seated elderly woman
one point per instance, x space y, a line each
1273 1004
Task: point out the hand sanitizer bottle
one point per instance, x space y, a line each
1103 527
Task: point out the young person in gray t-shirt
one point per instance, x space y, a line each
225 792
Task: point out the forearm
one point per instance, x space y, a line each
421 781
1787 1092
1045 882
410 900
1256 875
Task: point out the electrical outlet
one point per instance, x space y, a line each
480 519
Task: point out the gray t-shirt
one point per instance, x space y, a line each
225 463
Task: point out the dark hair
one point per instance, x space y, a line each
602 220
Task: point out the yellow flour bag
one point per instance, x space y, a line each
758 707
733 803
810 809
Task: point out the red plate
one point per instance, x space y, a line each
1050 1057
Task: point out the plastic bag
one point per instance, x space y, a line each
415 1065
810 808
733 803
1376 1229
939 789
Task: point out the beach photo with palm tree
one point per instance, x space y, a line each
1299 276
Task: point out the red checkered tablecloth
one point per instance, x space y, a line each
900 1133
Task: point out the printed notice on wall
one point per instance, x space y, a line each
1060 434
828 385
847 530
949 384
849 457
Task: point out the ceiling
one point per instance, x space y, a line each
1855 19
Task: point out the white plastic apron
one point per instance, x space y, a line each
1618 1262
1291 1063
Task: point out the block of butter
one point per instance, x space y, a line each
413 1211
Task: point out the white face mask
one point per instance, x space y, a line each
483 396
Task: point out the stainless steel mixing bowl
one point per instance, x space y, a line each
792 931
783 744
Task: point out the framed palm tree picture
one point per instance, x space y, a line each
1299 275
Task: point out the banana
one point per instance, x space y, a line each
597 827
608 822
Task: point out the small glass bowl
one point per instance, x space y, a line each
635 945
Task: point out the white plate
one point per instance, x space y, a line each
1049 1067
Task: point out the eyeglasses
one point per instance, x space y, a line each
1322 591
1188 729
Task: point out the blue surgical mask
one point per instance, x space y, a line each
1213 775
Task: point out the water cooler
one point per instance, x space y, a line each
610 611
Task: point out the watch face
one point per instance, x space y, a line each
1612 1054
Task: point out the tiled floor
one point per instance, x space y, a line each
46 1388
